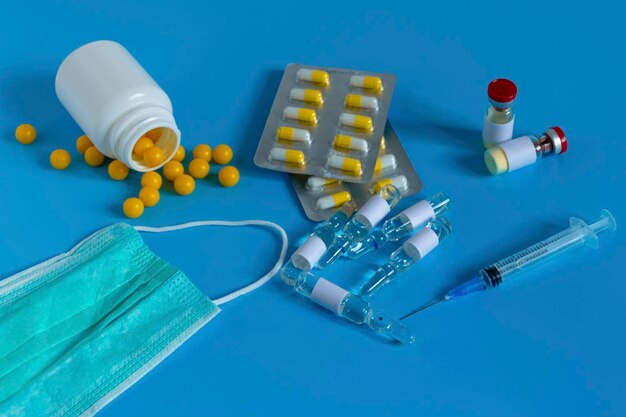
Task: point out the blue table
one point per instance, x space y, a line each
551 344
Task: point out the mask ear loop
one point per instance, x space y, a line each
250 287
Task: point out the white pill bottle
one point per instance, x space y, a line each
115 102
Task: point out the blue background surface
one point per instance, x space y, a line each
551 344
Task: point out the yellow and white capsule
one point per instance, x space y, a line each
315 76
291 156
385 163
308 116
356 121
383 145
349 165
367 82
333 200
307 95
292 134
317 183
361 102
350 142
399 182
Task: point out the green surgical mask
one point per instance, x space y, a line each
79 329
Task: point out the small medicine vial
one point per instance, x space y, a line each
499 119
525 150
116 102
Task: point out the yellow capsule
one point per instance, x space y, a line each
222 154
317 183
301 114
199 168
315 76
93 157
399 182
173 169
291 156
25 134
60 159
184 184
384 163
150 196
307 95
151 179
349 142
117 170
361 102
133 207
333 200
83 143
383 145
142 145
350 165
356 121
180 154
367 82
202 151
293 135
153 157
228 176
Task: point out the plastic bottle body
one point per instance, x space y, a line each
115 101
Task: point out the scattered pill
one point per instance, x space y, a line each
317 183
333 200
117 170
60 159
199 168
154 134
349 142
301 114
228 176
93 157
202 151
172 170
153 156
133 207
361 102
25 134
150 196
356 121
180 154
184 184
384 163
142 145
307 95
293 135
315 76
350 165
374 84
83 143
399 182
151 179
291 156
222 154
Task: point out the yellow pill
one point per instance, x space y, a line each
349 142
315 76
307 95
180 154
25 134
142 145
222 154
293 135
384 163
202 151
228 176
150 196
133 207
151 179
383 144
184 184
172 170
60 159
301 114
199 168
356 121
317 183
83 143
400 182
93 157
333 200
154 134
343 163
374 84
117 170
361 102
291 156
153 156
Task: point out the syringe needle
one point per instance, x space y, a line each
419 309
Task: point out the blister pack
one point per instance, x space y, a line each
320 197
326 122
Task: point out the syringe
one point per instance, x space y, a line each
577 234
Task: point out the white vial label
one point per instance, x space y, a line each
519 152
328 295
495 133
308 253
421 243
373 211
419 213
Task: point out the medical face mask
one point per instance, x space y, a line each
79 329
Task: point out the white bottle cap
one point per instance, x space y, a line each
519 152
373 211
308 253
419 213
496 133
328 295
421 243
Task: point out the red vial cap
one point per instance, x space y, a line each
559 138
502 90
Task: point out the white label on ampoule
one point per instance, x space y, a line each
419 213
496 133
373 211
328 295
308 253
519 152
421 243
